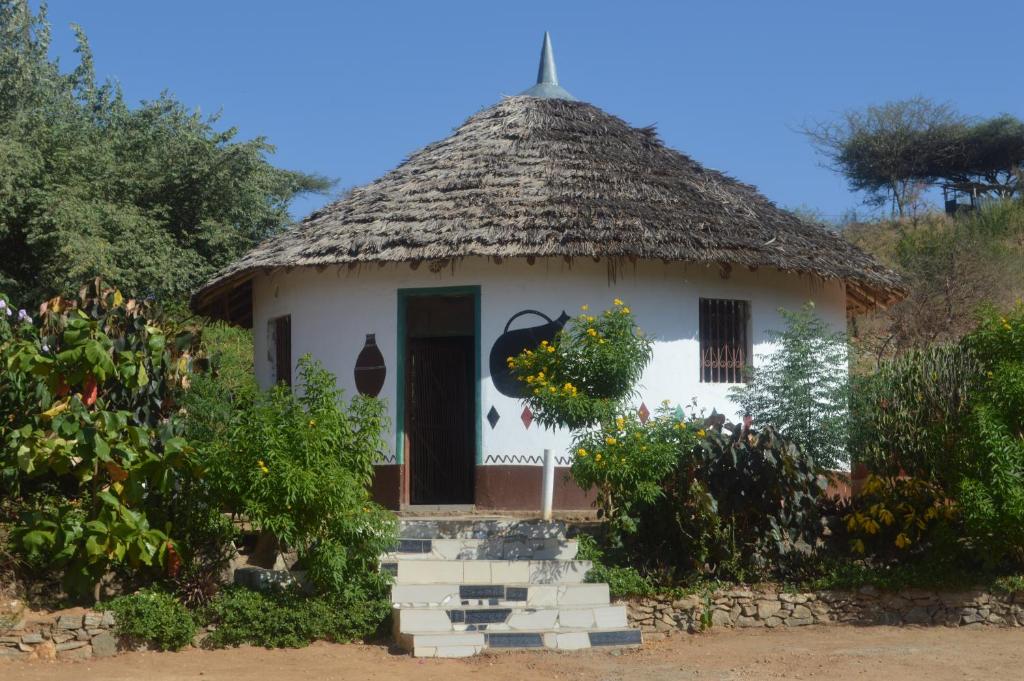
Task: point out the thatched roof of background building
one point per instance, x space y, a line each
538 177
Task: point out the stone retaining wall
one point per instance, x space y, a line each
773 608
61 636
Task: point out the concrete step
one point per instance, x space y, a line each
487 571
467 643
491 619
496 548
453 595
477 527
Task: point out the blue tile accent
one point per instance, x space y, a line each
495 616
413 546
481 591
516 593
476 627
510 640
615 638
456 616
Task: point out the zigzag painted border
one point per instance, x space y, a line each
526 459
386 460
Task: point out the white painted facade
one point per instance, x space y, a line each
333 310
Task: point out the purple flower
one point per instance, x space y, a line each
23 316
45 348
3 303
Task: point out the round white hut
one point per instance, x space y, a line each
418 286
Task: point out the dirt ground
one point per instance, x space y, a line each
834 653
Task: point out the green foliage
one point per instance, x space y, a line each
802 388
92 412
300 467
892 519
288 619
623 582
627 461
587 373
910 415
154 617
154 197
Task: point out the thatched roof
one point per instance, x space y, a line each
538 177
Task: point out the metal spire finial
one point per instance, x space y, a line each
547 77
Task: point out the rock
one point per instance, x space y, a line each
45 651
34 637
6 652
917 615
748 622
799 621
996 619
749 609
688 603
802 612
12 613
104 645
82 635
71 645
970 616
92 620
772 622
70 622
720 618
767 608
82 653
61 637
868 591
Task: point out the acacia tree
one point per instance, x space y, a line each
153 197
890 150
991 158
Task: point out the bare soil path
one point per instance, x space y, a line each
833 653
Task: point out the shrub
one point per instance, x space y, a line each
585 375
154 617
895 518
802 388
92 414
289 619
300 468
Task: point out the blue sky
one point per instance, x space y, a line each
348 89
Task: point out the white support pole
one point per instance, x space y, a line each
548 493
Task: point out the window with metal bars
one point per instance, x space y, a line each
725 347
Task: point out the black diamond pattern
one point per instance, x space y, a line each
493 416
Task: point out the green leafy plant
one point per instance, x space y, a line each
300 467
289 619
153 617
802 389
93 413
584 376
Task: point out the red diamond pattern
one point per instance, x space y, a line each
643 412
527 417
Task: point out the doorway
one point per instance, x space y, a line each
439 372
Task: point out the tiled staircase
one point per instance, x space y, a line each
463 585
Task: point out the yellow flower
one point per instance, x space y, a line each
529 379
584 307
581 451
312 423
601 342
701 433
620 422
597 457
536 391
262 466
543 343
592 331
617 301
552 389
551 348
567 386
540 374
610 440
902 540
625 310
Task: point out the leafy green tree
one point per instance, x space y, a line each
154 198
802 389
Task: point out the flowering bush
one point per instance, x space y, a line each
588 371
626 461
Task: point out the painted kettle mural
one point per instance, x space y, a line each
370 370
512 342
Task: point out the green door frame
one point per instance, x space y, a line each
403 298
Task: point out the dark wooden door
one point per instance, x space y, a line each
440 414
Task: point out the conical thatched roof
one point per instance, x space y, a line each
537 177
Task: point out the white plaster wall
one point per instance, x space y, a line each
333 310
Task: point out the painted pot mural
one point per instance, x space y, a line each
370 370
512 342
